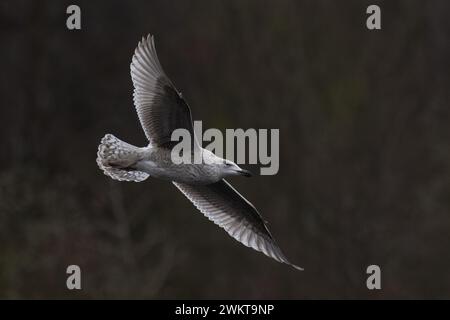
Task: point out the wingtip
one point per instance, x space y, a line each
150 38
297 267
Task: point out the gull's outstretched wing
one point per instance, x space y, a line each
160 107
223 205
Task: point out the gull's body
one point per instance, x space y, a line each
161 109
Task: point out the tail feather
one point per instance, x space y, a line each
115 157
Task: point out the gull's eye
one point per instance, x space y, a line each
228 164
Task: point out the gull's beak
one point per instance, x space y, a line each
245 173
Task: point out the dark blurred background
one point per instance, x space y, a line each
364 148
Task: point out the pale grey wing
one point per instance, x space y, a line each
223 205
160 107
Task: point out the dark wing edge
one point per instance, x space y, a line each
224 206
160 107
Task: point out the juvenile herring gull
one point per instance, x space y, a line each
162 109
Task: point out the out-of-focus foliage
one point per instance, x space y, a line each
364 131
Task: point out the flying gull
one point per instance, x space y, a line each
162 109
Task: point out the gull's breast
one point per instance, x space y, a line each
184 173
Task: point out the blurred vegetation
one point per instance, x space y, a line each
364 165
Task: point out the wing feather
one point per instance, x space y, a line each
160 107
223 205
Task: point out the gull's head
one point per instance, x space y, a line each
229 168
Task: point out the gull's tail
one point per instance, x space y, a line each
116 158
